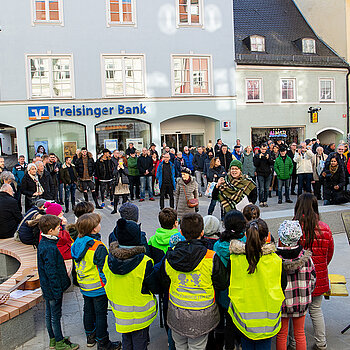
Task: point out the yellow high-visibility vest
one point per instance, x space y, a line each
87 272
132 309
256 298
192 290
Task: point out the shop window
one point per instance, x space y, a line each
288 92
191 75
123 76
309 45
121 12
254 90
47 11
327 90
50 76
123 131
59 137
189 12
257 43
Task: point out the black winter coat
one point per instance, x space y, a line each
143 164
10 215
123 173
262 164
198 161
218 171
65 175
80 165
104 169
329 193
225 159
47 184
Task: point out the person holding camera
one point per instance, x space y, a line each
263 164
216 171
303 158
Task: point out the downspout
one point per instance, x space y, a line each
347 103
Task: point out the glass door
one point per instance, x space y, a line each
184 140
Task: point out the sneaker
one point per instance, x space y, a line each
112 203
98 207
291 347
91 340
261 205
280 201
289 201
293 194
200 194
113 211
315 347
67 210
103 205
110 346
265 204
52 343
152 199
141 200
65 344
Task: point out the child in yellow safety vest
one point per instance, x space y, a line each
256 287
192 273
89 255
131 285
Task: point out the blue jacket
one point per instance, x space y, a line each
159 175
236 155
79 249
18 170
53 275
188 160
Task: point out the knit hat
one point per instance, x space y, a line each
186 170
211 225
40 202
53 208
128 233
236 163
290 232
129 211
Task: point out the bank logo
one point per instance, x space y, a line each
38 113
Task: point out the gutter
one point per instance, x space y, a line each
347 103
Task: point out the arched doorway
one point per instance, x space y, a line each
189 130
8 140
330 135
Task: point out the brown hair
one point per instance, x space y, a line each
48 222
82 208
87 222
256 235
212 162
167 218
192 226
45 156
306 212
251 212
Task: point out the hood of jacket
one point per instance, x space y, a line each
292 265
161 238
238 248
186 255
122 261
81 245
223 251
89 155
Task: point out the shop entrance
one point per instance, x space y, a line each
179 141
288 134
8 140
330 136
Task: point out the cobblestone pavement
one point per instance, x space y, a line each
336 310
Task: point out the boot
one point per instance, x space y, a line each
115 205
108 345
91 340
94 196
86 197
65 344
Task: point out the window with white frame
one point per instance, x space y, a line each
288 92
47 11
50 76
309 45
257 43
191 75
253 90
123 76
326 89
121 11
190 12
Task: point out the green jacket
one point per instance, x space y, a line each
283 169
132 166
161 239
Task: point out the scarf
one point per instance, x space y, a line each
234 190
35 178
333 169
187 181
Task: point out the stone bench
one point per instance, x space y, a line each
16 315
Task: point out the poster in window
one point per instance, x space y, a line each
69 148
138 143
41 148
111 144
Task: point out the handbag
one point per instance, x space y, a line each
191 203
209 189
156 188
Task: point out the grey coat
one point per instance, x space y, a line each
248 164
180 198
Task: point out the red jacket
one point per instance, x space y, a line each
64 244
322 253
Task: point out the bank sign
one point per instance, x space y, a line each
43 112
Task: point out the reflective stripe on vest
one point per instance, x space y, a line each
192 290
256 298
88 275
132 309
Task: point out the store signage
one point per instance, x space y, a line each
42 112
278 133
226 125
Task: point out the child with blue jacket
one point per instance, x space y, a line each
89 255
54 280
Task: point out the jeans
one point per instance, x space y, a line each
106 187
293 182
69 190
284 183
136 340
317 319
134 181
166 189
299 333
53 319
212 206
264 184
143 181
248 344
60 192
199 177
95 316
184 343
304 178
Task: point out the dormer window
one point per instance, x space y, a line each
308 45
257 43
